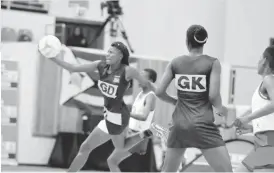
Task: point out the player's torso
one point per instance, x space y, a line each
138 108
191 76
259 100
113 87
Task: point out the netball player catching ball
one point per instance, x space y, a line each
140 122
114 78
197 80
262 117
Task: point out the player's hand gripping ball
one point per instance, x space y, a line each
49 46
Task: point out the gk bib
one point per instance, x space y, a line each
190 83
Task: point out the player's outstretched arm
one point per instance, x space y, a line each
72 67
165 82
76 68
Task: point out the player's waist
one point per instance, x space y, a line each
139 125
266 121
193 107
188 95
113 116
117 101
262 126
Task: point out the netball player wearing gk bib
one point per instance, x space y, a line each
262 117
197 79
141 118
114 76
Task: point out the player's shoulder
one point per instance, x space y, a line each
190 58
130 70
179 58
100 63
210 58
151 96
212 61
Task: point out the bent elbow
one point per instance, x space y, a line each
158 93
213 96
143 118
215 99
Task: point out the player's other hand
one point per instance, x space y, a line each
245 128
242 121
222 111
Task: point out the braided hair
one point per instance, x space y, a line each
124 50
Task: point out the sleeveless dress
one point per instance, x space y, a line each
263 128
193 119
138 108
137 126
113 87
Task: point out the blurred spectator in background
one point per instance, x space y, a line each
8 34
25 35
23 38
77 39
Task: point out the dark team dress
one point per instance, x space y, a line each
113 87
193 116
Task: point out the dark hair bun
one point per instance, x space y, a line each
200 35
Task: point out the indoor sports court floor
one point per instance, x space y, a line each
23 168
29 169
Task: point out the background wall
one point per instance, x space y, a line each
26 55
28 145
248 28
239 30
25 20
62 8
158 27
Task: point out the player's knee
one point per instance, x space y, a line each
113 161
225 167
241 168
85 148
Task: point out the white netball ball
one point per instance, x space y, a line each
49 46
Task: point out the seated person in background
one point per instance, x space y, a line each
25 35
77 39
24 38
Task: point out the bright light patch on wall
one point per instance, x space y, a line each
80 3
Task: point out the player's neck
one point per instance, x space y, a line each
196 52
145 90
114 67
